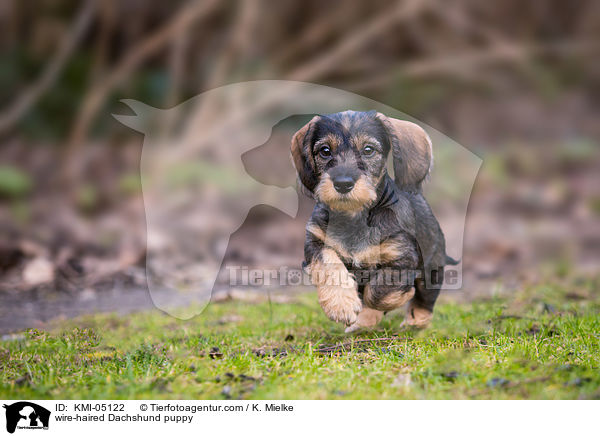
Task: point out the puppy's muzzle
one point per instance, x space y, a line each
344 178
343 184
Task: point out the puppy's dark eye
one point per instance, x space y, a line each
325 152
368 150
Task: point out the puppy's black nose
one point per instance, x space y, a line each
343 184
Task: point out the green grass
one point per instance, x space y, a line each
542 343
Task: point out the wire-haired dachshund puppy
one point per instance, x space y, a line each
372 243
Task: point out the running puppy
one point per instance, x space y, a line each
372 243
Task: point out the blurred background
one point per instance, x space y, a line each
517 83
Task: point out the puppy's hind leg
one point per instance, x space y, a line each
420 309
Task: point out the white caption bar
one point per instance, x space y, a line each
23 417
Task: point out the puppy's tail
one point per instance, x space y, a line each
451 261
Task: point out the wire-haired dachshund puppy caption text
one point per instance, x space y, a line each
372 243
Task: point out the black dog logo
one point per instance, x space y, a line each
28 415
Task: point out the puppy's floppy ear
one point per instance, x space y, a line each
302 155
411 151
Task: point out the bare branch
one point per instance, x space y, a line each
95 98
68 45
375 27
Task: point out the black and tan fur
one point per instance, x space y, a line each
366 225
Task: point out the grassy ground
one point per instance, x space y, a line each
544 343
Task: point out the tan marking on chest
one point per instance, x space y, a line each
386 252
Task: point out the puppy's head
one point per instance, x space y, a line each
341 158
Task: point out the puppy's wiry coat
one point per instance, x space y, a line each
365 226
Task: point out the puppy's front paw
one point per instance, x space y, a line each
337 288
340 304
366 318
417 317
